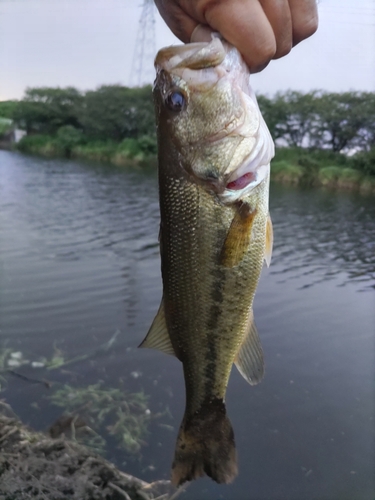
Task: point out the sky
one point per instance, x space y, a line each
87 43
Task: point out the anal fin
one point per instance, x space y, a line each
249 359
158 336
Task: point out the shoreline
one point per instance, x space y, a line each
34 464
287 172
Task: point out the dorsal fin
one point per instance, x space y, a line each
237 242
249 359
269 241
158 336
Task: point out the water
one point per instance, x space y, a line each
79 260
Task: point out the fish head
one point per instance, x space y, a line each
205 104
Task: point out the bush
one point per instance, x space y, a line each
364 162
129 148
349 178
44 145
69 137
308 162
6 127
284 171
148 145
368 185
328 176
288 154
135 150
311 158
97 151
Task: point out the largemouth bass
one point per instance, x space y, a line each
214 161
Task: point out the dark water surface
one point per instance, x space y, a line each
79 260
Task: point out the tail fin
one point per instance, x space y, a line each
205 445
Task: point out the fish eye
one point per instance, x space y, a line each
175 100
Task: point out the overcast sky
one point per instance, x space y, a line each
86 43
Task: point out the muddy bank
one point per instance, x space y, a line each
34 466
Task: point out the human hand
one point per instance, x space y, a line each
260 29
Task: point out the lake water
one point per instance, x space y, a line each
79 260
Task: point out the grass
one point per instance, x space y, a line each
367 185
283 171
6 126
328 176
67 143
43 145
320 168
97 151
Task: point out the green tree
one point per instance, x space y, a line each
7 109
273 114
290 116
341 118
116 112
68 137
365 139
300 117
44 110
364 161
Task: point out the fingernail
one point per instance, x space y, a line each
202 33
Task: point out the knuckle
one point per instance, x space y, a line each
267 51
306 29
311 25
261 56
283 49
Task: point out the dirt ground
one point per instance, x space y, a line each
34 466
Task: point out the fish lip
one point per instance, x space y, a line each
196 56
164 56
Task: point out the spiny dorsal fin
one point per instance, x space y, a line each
269 241
157 336
237 242
249 359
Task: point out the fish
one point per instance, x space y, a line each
214 153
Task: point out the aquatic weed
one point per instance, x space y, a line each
122 414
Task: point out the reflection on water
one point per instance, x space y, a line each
79 260
324 234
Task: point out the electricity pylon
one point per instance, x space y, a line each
142 69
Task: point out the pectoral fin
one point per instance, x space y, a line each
157 336
249 359
269 241
238 238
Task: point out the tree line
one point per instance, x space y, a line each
339 122
111 112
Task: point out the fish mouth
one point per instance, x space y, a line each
198 55
243 185
253 170
198 64
231 188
